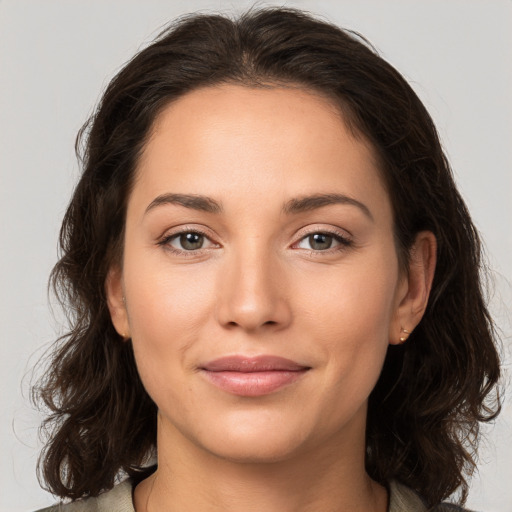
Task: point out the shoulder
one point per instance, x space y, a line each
449 507
404 499
118 499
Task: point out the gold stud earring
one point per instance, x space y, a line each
404 338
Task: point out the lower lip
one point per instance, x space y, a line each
253 383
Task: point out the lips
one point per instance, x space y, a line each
252 376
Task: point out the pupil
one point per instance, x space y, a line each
191 241
320 241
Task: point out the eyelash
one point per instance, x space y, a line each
165 242
342 239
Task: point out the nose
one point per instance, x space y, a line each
252 293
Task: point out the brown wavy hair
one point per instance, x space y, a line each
424 413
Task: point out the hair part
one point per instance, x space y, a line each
424 413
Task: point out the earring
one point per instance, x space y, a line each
404 338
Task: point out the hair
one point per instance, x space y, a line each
424 413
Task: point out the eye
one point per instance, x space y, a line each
186 241
189 241
321 241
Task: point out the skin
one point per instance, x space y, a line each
258 286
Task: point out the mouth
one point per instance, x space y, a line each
252 376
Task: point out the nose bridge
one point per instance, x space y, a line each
252 288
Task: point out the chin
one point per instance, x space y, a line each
252 443
264 450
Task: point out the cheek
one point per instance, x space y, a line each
167 310
166 296
351 302
349 313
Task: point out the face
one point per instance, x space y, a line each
260 273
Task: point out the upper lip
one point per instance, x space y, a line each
244 364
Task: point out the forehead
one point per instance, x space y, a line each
261 142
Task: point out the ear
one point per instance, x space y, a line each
414 290
116 302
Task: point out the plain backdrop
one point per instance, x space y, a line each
57 56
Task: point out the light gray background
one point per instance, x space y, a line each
56 57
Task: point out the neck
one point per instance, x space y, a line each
192 479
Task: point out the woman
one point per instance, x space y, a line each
275 285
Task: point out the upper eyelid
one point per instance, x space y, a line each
303 231
173 233
176 234
337 232
185 229
343 233
343 239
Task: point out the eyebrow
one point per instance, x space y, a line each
312 202
293 206
193 201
